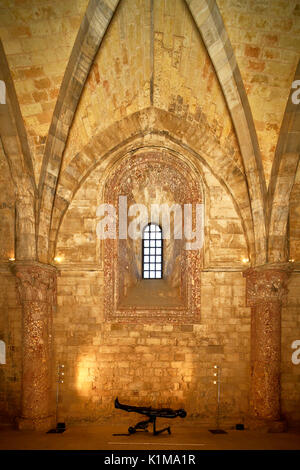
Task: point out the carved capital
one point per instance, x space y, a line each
266 285
36 282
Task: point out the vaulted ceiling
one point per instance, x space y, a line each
76 69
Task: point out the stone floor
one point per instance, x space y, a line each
184 437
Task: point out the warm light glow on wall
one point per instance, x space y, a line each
245 260
58 259
83 379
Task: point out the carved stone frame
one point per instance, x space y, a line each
191 192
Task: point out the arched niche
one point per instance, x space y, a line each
226 241
152 176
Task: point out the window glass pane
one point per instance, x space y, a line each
152 252
2 352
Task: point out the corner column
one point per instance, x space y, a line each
36 286
265 290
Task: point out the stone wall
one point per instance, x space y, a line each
11 334
160 363
133 74
155 363
38 38
10 311
152 55
7 211
294 219
290 379
265 36
104 359
225 243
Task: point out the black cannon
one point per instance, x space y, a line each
152 414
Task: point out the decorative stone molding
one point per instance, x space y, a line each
265 285
36 282
36 286
152 169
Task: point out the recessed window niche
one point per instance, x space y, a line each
152 177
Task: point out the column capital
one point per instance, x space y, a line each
267 283
19 265
35 281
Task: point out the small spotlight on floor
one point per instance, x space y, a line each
239 427
60 428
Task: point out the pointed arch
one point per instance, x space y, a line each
141 129
16 149
211 27
283 175
90 35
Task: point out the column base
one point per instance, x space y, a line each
265 425
37 424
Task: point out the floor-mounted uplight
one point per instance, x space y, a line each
217 376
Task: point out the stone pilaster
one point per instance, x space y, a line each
265 290
36 286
